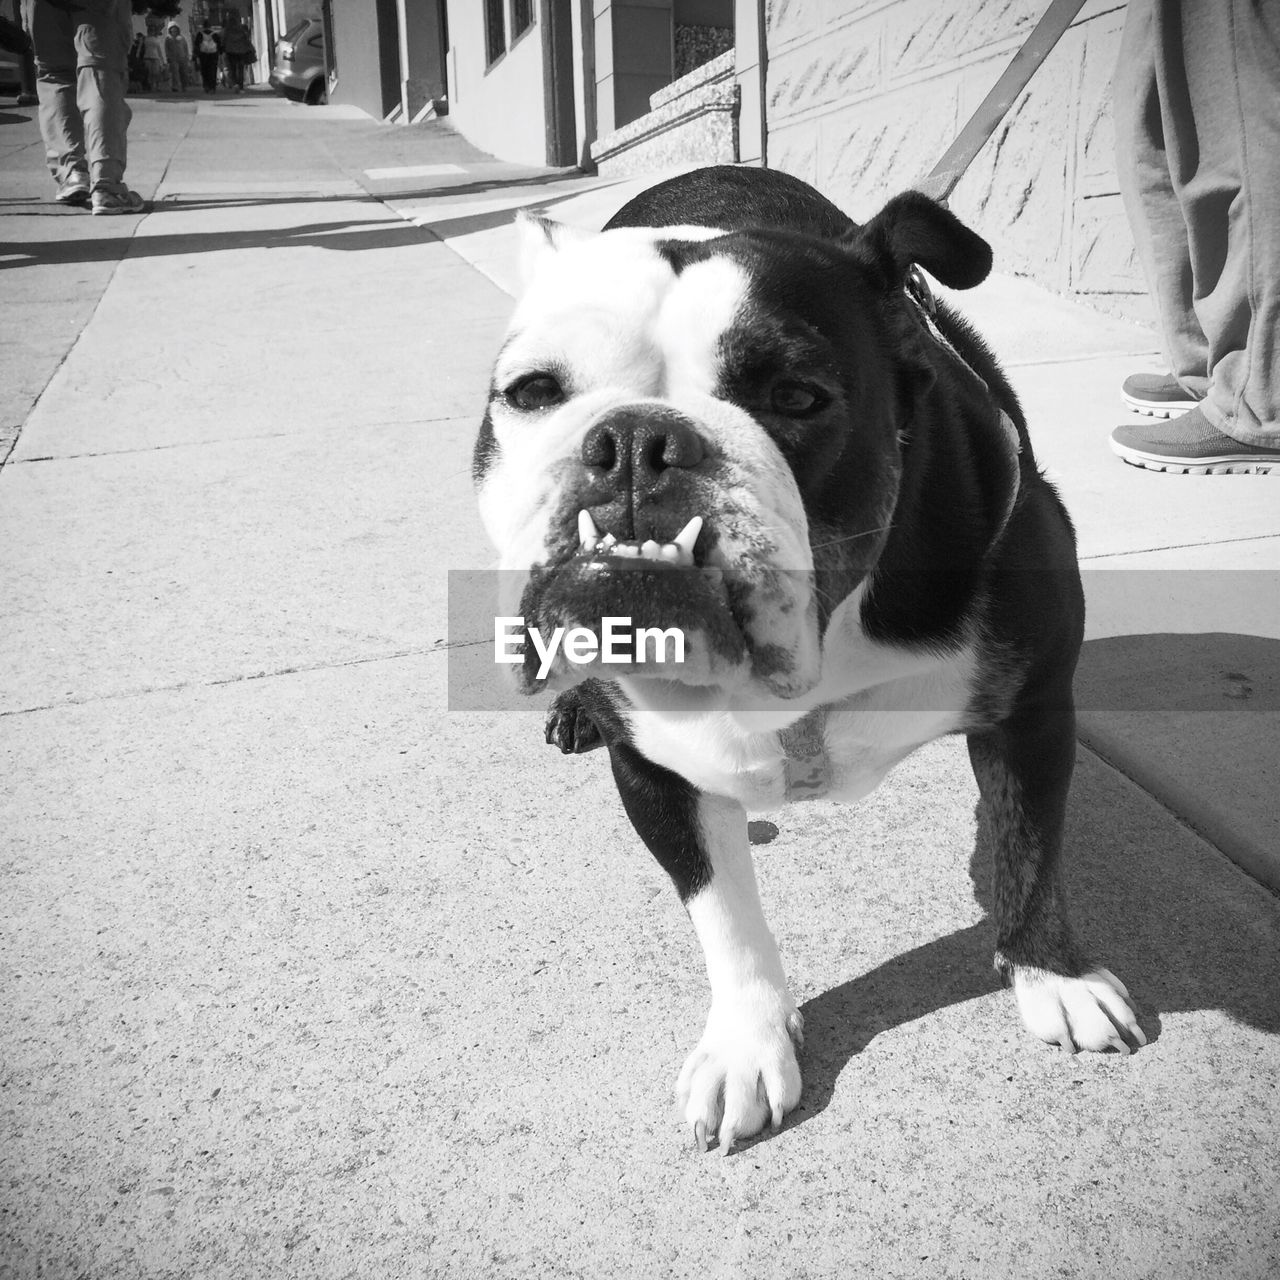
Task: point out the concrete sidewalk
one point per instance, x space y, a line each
307 975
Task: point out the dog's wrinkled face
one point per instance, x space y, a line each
696 430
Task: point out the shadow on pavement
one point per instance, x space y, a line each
444 188
343 236
1173 938
1182 672
338 235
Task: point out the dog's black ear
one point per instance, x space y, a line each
912 229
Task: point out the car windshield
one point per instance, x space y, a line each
296 30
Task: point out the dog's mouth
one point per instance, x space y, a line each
618 553
619 589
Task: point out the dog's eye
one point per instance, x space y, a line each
797 400
536 391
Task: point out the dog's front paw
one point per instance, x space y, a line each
1093 1011
744 1072
570 728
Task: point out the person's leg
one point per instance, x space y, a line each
53 35
102 46
1156 219
1218 64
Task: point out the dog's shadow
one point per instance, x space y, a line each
1168 930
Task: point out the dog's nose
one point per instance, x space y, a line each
633 448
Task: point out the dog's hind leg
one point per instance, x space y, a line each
743 1073
1023 768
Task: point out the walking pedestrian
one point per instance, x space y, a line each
178 52
81 79
208 47
1197 117
238 46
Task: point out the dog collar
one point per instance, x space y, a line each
807 767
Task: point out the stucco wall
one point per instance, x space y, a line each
863 96
365 44
500 108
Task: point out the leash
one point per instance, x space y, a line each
941 180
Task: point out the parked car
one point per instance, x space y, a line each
299 71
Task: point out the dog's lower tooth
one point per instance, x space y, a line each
625 549
650 549
607 541
588 534
669 551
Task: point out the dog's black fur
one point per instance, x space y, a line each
933 564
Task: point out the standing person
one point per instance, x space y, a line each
179 54
157 62
1197 115
238 46
208 47
82 69
138 64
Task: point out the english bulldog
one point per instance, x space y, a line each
735 414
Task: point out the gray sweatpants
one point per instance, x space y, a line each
82 73
1197 114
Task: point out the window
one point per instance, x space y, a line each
495 29
521 17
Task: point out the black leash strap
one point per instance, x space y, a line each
942 178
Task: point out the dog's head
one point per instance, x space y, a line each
701 430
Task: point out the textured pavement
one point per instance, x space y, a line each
306 975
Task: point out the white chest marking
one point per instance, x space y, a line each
839 750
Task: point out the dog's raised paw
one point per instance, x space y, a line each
744 1073
1093 1011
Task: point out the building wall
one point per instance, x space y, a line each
863 96
635 45
584 78
500 108
422 54
365 54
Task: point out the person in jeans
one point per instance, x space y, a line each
82 70
208 48
237 45
1197 117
